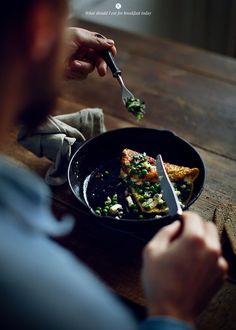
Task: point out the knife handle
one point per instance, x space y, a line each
179 217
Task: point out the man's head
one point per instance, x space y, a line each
31 58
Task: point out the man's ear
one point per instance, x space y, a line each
42 31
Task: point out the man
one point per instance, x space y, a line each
42 286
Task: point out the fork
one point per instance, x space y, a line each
109 59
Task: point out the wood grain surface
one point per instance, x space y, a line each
189 91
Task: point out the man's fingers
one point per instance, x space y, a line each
79 69
101 67
82 67
85 53
193 226
113 50
223 265
162 239
212 238
95 40
170 231
75 75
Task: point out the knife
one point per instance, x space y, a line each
170 197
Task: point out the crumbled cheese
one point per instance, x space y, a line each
114 209
129 201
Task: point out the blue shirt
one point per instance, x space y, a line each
42 285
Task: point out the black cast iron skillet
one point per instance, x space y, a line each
104 152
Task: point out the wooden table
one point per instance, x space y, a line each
186 90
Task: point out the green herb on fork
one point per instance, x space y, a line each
136 107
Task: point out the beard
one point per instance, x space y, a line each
36 113
43 91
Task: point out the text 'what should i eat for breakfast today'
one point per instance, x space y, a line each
118 13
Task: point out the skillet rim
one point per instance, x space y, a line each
163 219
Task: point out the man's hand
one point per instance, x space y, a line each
182 268
84 53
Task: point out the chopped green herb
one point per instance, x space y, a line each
133 171
136 107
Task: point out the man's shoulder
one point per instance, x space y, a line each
16 176
25 199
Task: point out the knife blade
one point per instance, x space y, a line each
168 191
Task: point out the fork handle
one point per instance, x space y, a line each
109 59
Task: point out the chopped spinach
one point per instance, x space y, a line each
136 107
